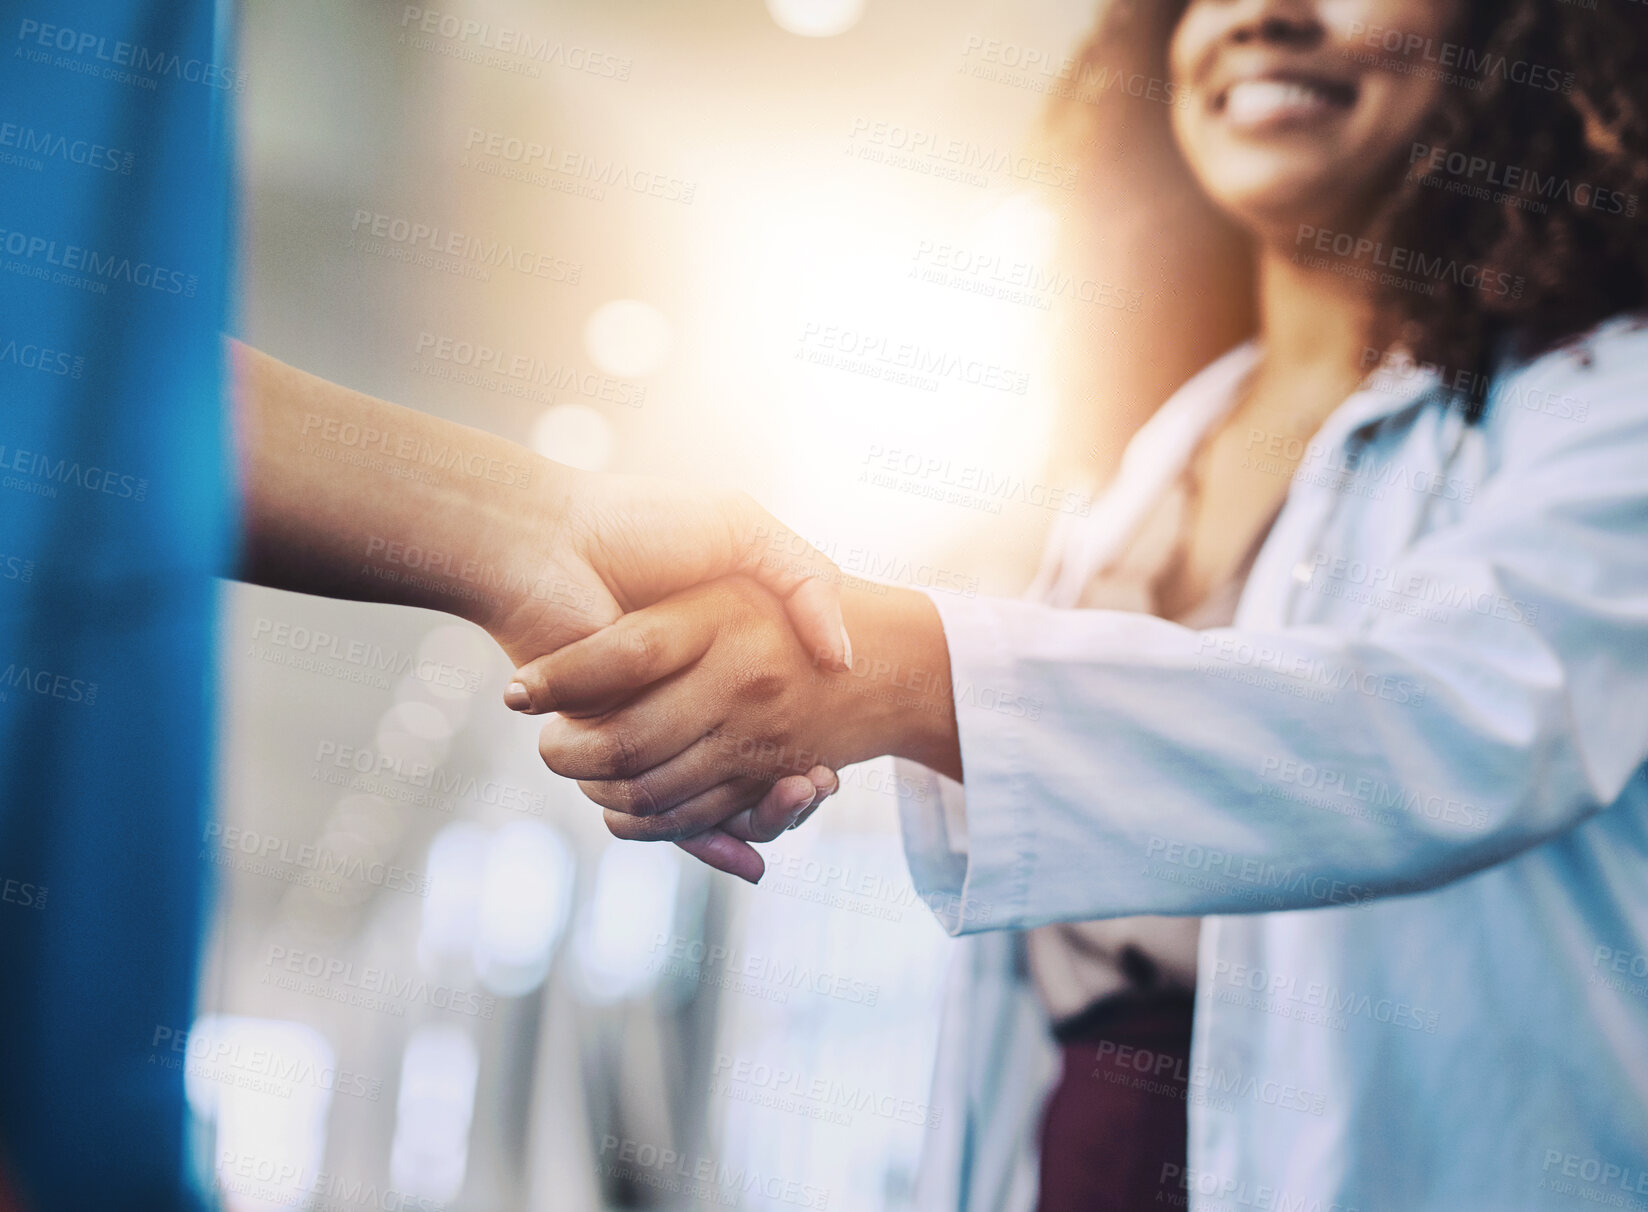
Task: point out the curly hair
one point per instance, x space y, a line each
1532 165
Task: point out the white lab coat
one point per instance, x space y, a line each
1407 786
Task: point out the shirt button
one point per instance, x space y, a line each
1303 572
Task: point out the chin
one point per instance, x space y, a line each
1275 205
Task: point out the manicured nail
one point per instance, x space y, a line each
516 698
846 650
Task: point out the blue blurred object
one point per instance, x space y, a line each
116 513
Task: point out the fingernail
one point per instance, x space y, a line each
802 805
846 650
826 782
516 698
802 819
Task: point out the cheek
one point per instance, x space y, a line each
1195 38
1365 19
1188 131
1415 106
1192 40
1398 110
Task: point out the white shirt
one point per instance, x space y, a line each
1407 787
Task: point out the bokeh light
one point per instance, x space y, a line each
816 18
628 338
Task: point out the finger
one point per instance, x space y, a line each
825 781
790 801
647 732
718 849
701 812
712 760
607 667
827 784
768 817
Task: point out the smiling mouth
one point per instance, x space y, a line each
1280 103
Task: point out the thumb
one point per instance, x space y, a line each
814 608
804 578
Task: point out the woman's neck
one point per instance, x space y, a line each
1316 326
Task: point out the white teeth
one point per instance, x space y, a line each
1259 100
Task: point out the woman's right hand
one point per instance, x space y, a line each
702 712
678 717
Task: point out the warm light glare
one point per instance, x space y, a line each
574 434
628 338
813 301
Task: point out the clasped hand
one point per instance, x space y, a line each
701 720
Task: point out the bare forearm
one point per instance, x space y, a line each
353 497
898 700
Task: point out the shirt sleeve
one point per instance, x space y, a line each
1120 764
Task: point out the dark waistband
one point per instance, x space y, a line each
1143 1012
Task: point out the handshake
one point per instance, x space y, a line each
710 694
692 655
694 720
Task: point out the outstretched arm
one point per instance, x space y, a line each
353 497
1118 763
348 496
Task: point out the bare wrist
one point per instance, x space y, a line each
898 698
542 593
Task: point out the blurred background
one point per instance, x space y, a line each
798 247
